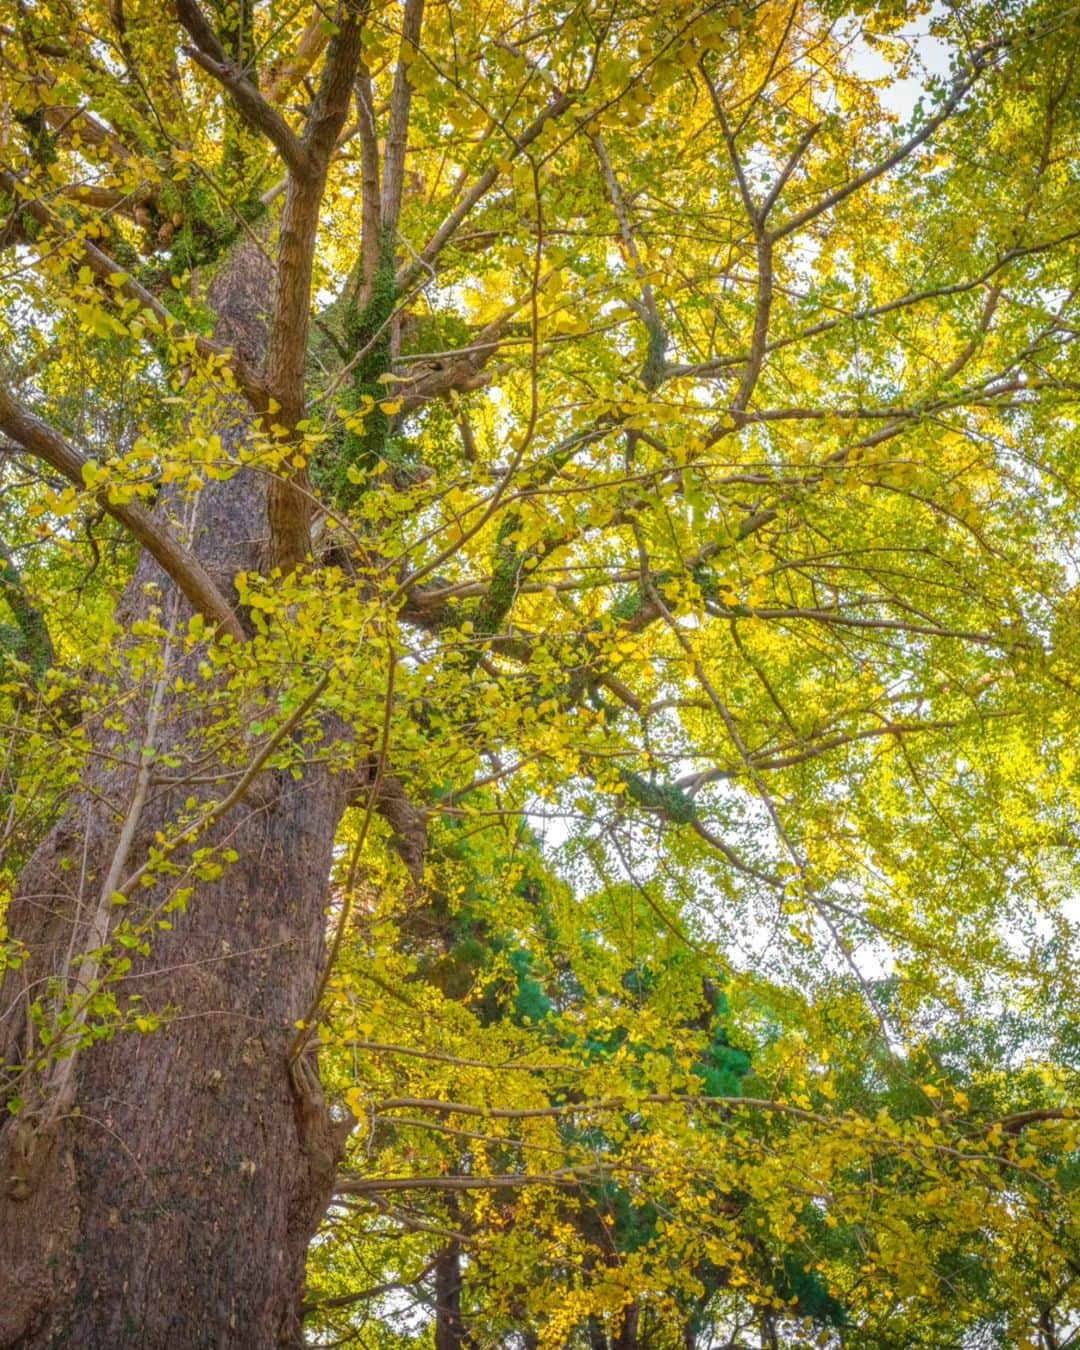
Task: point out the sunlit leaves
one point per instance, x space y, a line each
693 549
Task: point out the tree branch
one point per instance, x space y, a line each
398 130
37 438
425 259
289 499
371 207
260 115
103 267
960 87
562 1176
286 74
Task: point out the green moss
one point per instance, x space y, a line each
28 640
352 456
656 357
628 607
42 141
495 605
667 800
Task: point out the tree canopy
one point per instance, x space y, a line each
663 420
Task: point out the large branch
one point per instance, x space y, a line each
327 116
289 499
287 73
37 438
398 131
259 114
371 208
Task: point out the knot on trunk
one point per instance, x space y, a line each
26 1146
408 822
322 1139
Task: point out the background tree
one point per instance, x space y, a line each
422 419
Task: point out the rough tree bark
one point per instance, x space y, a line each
165 1196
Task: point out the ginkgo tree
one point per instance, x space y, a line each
539 673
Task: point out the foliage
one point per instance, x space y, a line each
687 466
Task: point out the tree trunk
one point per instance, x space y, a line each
450 1331
165 1194
627 1336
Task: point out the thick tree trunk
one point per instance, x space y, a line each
171 1201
